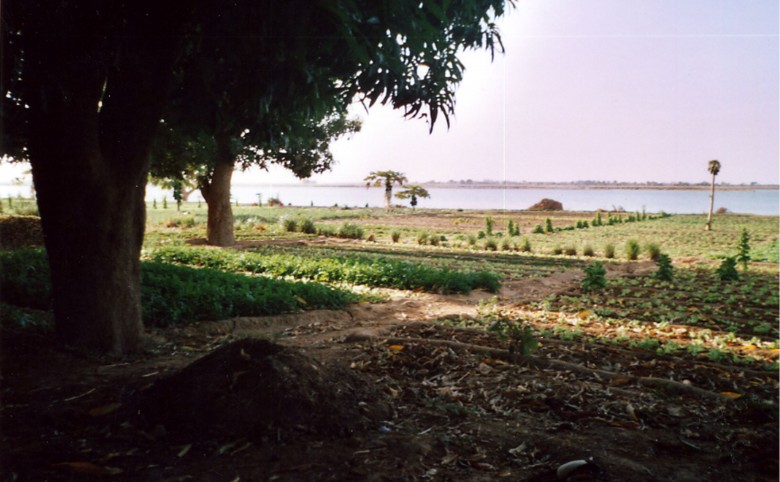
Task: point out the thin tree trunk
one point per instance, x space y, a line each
712 204
388 196
216 192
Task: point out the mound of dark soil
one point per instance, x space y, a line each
547 205
254 388
20 232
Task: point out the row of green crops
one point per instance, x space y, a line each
695 297
177 294
369 271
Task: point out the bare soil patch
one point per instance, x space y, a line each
379 392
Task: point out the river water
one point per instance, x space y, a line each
759 201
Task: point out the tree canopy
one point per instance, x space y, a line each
86 84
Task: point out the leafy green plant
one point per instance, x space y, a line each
422 238
743 249
664 271
727 271
609 251
653 251
595 277
506 245
587 250
490 244
521 337
548 227
538 229
307 226
525 245
395 236
570 250
632 249
557 251
350 231
289 225
489 224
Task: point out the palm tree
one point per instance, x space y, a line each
386 179
714 168
413 192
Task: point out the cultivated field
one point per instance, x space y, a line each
489 349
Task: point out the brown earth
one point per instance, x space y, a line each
380 392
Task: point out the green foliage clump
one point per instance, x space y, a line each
350 231
177 294
521 337
490 244
506 245
548 227
525 245
743 249
587 250
609 251
653 251
595 277
422 238
664 272
557 251
538 229
368 271
289 225
395 236
727 271
513 228
632 249
489 224
307 226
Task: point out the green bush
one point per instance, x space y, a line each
548 227
557 251
525 245
350 231
538 229
307 226
664 272
653 251
609 251
506 245
434 240
595 277
177 294
587 250
489 224
727 271
289 225
379 272
422 238
632 249
395 236
743 249
490 244
570 250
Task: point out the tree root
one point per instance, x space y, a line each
669 386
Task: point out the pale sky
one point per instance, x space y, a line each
640 90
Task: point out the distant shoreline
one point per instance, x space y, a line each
559 186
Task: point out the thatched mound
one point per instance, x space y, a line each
547 205
20 231
253 388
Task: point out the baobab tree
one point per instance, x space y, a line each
714 168
413 192
386 179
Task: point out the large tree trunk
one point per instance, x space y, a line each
216 192
98 81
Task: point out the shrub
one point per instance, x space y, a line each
490 244
489 224
289 225
538 229
570 250
506 245
327 231
395 236
181 222
632 249
525 245
481 235
307 226
727 271
434 240
609 251
653 251
350 231
595 277
472 240
371 238
743 250
664 272
557 250
588 251
548 227
422 238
